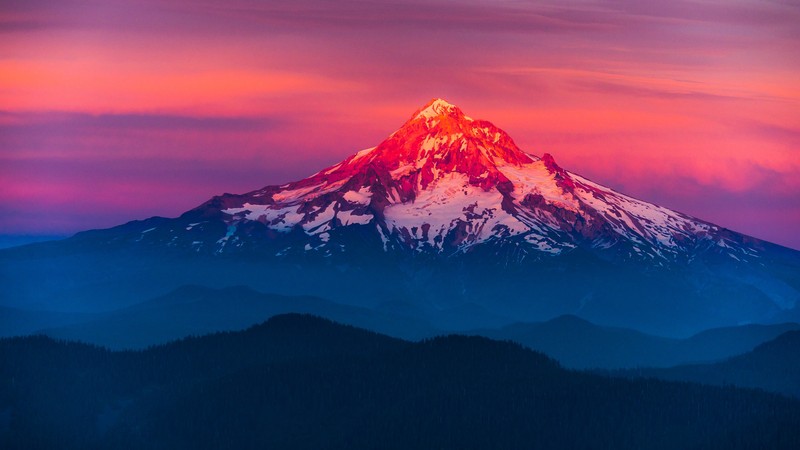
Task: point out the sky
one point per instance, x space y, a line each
115 110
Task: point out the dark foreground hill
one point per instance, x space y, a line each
303 382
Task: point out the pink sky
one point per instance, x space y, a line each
112 110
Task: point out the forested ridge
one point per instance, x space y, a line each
303 382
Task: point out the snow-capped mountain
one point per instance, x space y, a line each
447 221
444 184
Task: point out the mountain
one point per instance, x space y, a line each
444 184
447 213
580 344
772 366
267 386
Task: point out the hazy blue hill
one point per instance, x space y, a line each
16 322
739 339
303 382
578 343
15 240
574 342
772 366
197 310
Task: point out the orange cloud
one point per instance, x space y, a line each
97 86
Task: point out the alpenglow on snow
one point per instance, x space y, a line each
443 184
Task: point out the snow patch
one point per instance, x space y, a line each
307 193
362 154
320 222
360 197
348 218
448 203
402 171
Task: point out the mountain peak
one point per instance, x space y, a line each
438 107
440 141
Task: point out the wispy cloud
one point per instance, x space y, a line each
686 102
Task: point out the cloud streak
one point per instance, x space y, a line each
693 104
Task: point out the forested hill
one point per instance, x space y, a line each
303 382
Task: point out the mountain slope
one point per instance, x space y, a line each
268 386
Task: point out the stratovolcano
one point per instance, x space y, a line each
447 220
444 183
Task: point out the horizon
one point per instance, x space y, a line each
125 112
